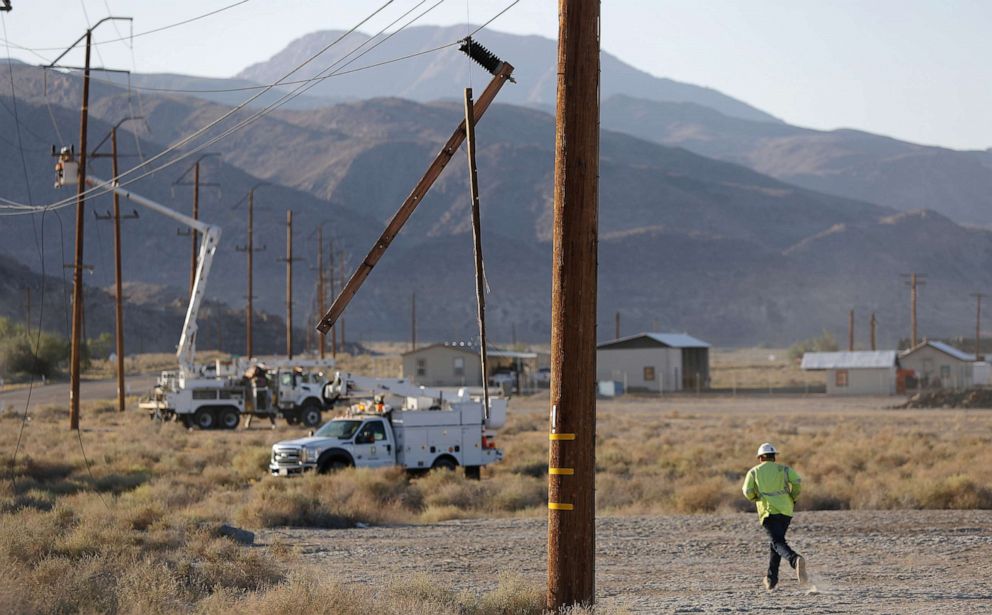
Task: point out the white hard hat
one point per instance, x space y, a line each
766 449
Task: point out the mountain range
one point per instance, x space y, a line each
721 241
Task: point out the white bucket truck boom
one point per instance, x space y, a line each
428 428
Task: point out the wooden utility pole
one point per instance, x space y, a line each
321 295
334 295
850 330
195 236
289 283
874 328
77 268
413 321
572 457
915 281
978 325
250 249
616 325
480 275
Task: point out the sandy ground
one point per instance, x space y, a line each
861 562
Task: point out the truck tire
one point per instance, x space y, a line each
332 464
204 418
229 418
473 472
444 462
310 414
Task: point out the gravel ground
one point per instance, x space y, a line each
860 561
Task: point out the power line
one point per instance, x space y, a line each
295 93
132 36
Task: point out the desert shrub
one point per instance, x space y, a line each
17 352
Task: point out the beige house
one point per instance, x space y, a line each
939 365
459 364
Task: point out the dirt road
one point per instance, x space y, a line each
861 562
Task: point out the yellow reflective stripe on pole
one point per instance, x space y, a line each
561 436
558 506
561 471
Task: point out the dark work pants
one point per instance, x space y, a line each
777 526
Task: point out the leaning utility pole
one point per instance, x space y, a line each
572 458
289 283
850 330
480 275
978 325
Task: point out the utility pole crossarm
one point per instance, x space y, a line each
399 219
189 221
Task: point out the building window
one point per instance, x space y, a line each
840 378
945 372
421 367
459 363
649 374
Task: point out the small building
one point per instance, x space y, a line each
866 372
458 364
937 365
655 362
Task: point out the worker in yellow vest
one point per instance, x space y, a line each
774 487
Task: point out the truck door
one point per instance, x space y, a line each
373 448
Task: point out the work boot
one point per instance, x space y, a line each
770 583
801 570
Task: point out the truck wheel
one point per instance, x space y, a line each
229 418
205 419
444 463
335 464
473 472
310 414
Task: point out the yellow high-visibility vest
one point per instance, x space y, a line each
773 488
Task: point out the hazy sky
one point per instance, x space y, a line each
913 69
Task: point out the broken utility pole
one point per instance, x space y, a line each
572 455
501 71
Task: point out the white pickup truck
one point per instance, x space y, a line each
430 432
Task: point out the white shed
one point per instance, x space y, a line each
939 365
856 373
655 362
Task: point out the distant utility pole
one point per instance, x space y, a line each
413 320
914 281
572 457
978 325
321 293
250 249
77 269
616 325
196 212
874 327
118 277
27 309
289 283
333 280
850 330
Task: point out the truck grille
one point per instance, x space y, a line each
286 456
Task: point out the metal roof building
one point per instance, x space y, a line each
655 362
939 365
867 372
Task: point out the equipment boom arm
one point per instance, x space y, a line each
211 236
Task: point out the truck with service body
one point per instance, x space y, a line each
425 429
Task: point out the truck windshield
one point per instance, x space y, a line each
341 430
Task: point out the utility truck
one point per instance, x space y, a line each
206 397
393 422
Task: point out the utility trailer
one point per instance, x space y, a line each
433 429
